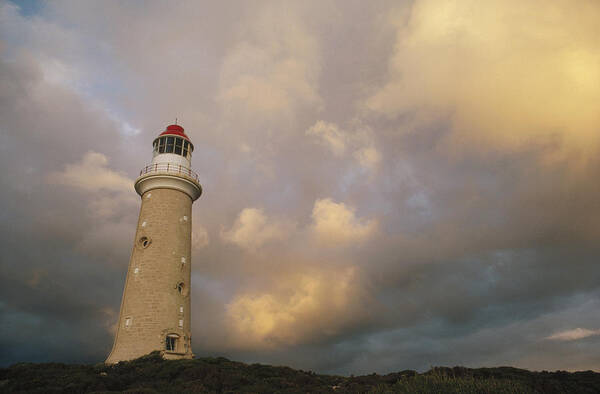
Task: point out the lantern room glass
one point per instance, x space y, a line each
173 145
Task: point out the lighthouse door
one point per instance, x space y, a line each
171 342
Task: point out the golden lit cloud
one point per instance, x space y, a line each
506 73
299 307
252 229
336 223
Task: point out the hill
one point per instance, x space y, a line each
152 374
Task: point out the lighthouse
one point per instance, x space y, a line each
155 308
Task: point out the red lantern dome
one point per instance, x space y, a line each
175 129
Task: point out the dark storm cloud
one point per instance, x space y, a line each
373 198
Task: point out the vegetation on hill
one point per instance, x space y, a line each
152 374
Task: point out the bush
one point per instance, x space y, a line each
152 374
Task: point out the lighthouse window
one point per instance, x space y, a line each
161 145
185 148
170 143
180 287
178 143
155 147
144 242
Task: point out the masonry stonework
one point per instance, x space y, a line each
155 308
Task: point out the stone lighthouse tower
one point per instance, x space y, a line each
155 309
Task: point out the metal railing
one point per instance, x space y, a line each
169 168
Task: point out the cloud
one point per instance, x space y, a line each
506 73
298 308
111 319
49 218
336 223
368 157
329 135
108 191
271 71
200 238
92 175
252 229
463 231
109 197
338 141
573 335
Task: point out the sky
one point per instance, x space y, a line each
387 185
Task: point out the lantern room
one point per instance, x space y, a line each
173 146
